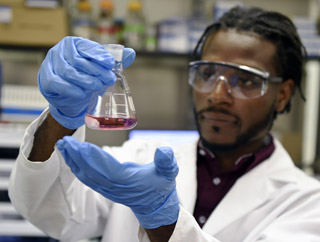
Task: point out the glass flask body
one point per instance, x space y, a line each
114 110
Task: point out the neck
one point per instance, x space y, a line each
228 155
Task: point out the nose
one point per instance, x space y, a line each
221 91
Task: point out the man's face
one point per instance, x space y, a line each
226 121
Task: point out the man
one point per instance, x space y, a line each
237 183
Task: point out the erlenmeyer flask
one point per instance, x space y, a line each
114 110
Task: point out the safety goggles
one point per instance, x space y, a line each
242 81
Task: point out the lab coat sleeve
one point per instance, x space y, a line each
50 197
186 230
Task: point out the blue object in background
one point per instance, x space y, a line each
173 137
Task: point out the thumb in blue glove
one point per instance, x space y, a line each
149 189
73 72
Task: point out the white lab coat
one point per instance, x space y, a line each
274 202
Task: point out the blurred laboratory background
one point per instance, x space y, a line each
163 33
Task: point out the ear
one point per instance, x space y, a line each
285 92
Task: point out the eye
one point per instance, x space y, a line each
249 82
206 72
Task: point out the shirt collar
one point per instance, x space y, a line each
205 155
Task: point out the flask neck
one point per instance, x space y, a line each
117 68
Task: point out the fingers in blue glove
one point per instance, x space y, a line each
108 173
128 57
95 168
76 168
60 87
83 56
88 157
91 52
166 163
86 64
94 52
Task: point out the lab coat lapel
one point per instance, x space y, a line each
251 190
186 156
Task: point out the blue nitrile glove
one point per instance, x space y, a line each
73 72
149 190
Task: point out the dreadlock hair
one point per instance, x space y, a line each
273 27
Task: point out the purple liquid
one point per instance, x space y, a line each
107 123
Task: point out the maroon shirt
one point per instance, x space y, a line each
213 184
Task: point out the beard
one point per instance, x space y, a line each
254 132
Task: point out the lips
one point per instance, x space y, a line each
218 117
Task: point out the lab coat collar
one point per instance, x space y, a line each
258 185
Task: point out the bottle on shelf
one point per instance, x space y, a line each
151 38
134 30
119 29
83 23
106 31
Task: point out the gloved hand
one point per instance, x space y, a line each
73 71
149 190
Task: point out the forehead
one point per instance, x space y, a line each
243 48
